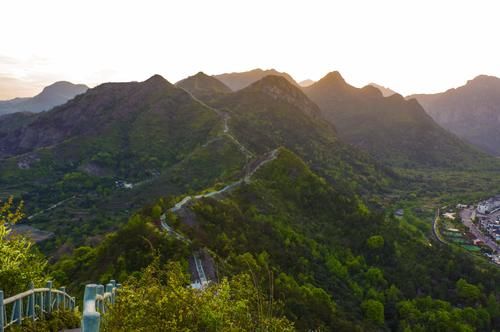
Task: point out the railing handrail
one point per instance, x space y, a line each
41 298
22 295
95 302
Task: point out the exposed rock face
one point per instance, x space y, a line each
238 81
471 111
51 96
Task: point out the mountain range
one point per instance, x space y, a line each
391 129
256 178
472 111
51 96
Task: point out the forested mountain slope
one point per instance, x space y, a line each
393 130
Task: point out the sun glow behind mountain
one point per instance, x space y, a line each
410 46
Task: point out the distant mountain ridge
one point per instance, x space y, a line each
239 80
471 111
51 96
306 83
386 92
392 129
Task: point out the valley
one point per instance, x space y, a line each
233 182
225 166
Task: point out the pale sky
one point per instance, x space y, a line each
409 46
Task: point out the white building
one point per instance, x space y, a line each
483 207
489 206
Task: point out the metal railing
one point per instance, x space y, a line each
95 302
33 304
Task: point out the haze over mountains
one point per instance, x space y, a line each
471 111
52 95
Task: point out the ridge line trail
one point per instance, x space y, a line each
248 171
225 117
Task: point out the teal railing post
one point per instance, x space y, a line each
31 303
109 289
49 297
63 298
2 311
17 312
59 297
100 303
90 318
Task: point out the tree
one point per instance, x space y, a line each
375 242
160 299
374 311
468 292
20 263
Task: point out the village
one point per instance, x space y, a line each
476 229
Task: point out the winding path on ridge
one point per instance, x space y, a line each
249 172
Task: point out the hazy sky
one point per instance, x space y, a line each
410 46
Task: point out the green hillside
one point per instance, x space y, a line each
352 270
272 112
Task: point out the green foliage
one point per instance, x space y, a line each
342 254
20 262
375 242
426 314
160 300
373 311
119 255
53 322
468 292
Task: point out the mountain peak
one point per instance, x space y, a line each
280 88
203 86
201 74
372 91
52 95
274 84
157 79
483 80
333 76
